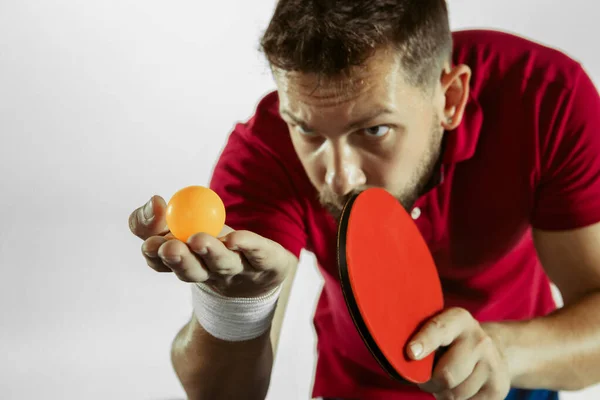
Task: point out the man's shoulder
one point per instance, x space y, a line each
500 56
498 43
265 128
266 118
263 143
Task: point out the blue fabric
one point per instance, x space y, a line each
523 394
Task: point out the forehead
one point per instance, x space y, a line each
379 77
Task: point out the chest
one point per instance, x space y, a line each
469 224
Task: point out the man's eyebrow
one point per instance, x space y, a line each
295 119
377 112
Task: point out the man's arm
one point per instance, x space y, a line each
209 368
560 351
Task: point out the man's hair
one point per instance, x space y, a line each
328 37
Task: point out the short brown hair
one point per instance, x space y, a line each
327 37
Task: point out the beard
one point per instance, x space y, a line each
408 195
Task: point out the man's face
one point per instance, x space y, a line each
367 129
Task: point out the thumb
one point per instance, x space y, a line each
149 219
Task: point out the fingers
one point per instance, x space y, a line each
217 258
150 251
471 366
201 259
149 220
440 331
177 256
470 387
237 258
491 392
454 367
262 254
242 263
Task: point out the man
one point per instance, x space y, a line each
490 140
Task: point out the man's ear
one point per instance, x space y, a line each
455 87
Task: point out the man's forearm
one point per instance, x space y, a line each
560 351
209 368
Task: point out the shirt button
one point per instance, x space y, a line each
415 213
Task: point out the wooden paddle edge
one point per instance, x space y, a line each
349 296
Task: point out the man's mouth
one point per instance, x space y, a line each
335 204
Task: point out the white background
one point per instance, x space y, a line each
104 103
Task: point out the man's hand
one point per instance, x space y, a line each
471 367
236 264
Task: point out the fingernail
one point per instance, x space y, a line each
148 213
203 251
416 349
148 253
171 260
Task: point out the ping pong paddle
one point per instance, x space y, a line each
389 280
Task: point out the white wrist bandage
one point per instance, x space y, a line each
233 319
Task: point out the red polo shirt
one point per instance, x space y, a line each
525 155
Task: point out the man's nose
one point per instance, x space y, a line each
344 173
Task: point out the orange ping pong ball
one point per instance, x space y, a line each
195 209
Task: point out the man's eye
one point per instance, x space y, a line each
303 131
377 131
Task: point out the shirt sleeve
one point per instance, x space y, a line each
568 191
258 192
